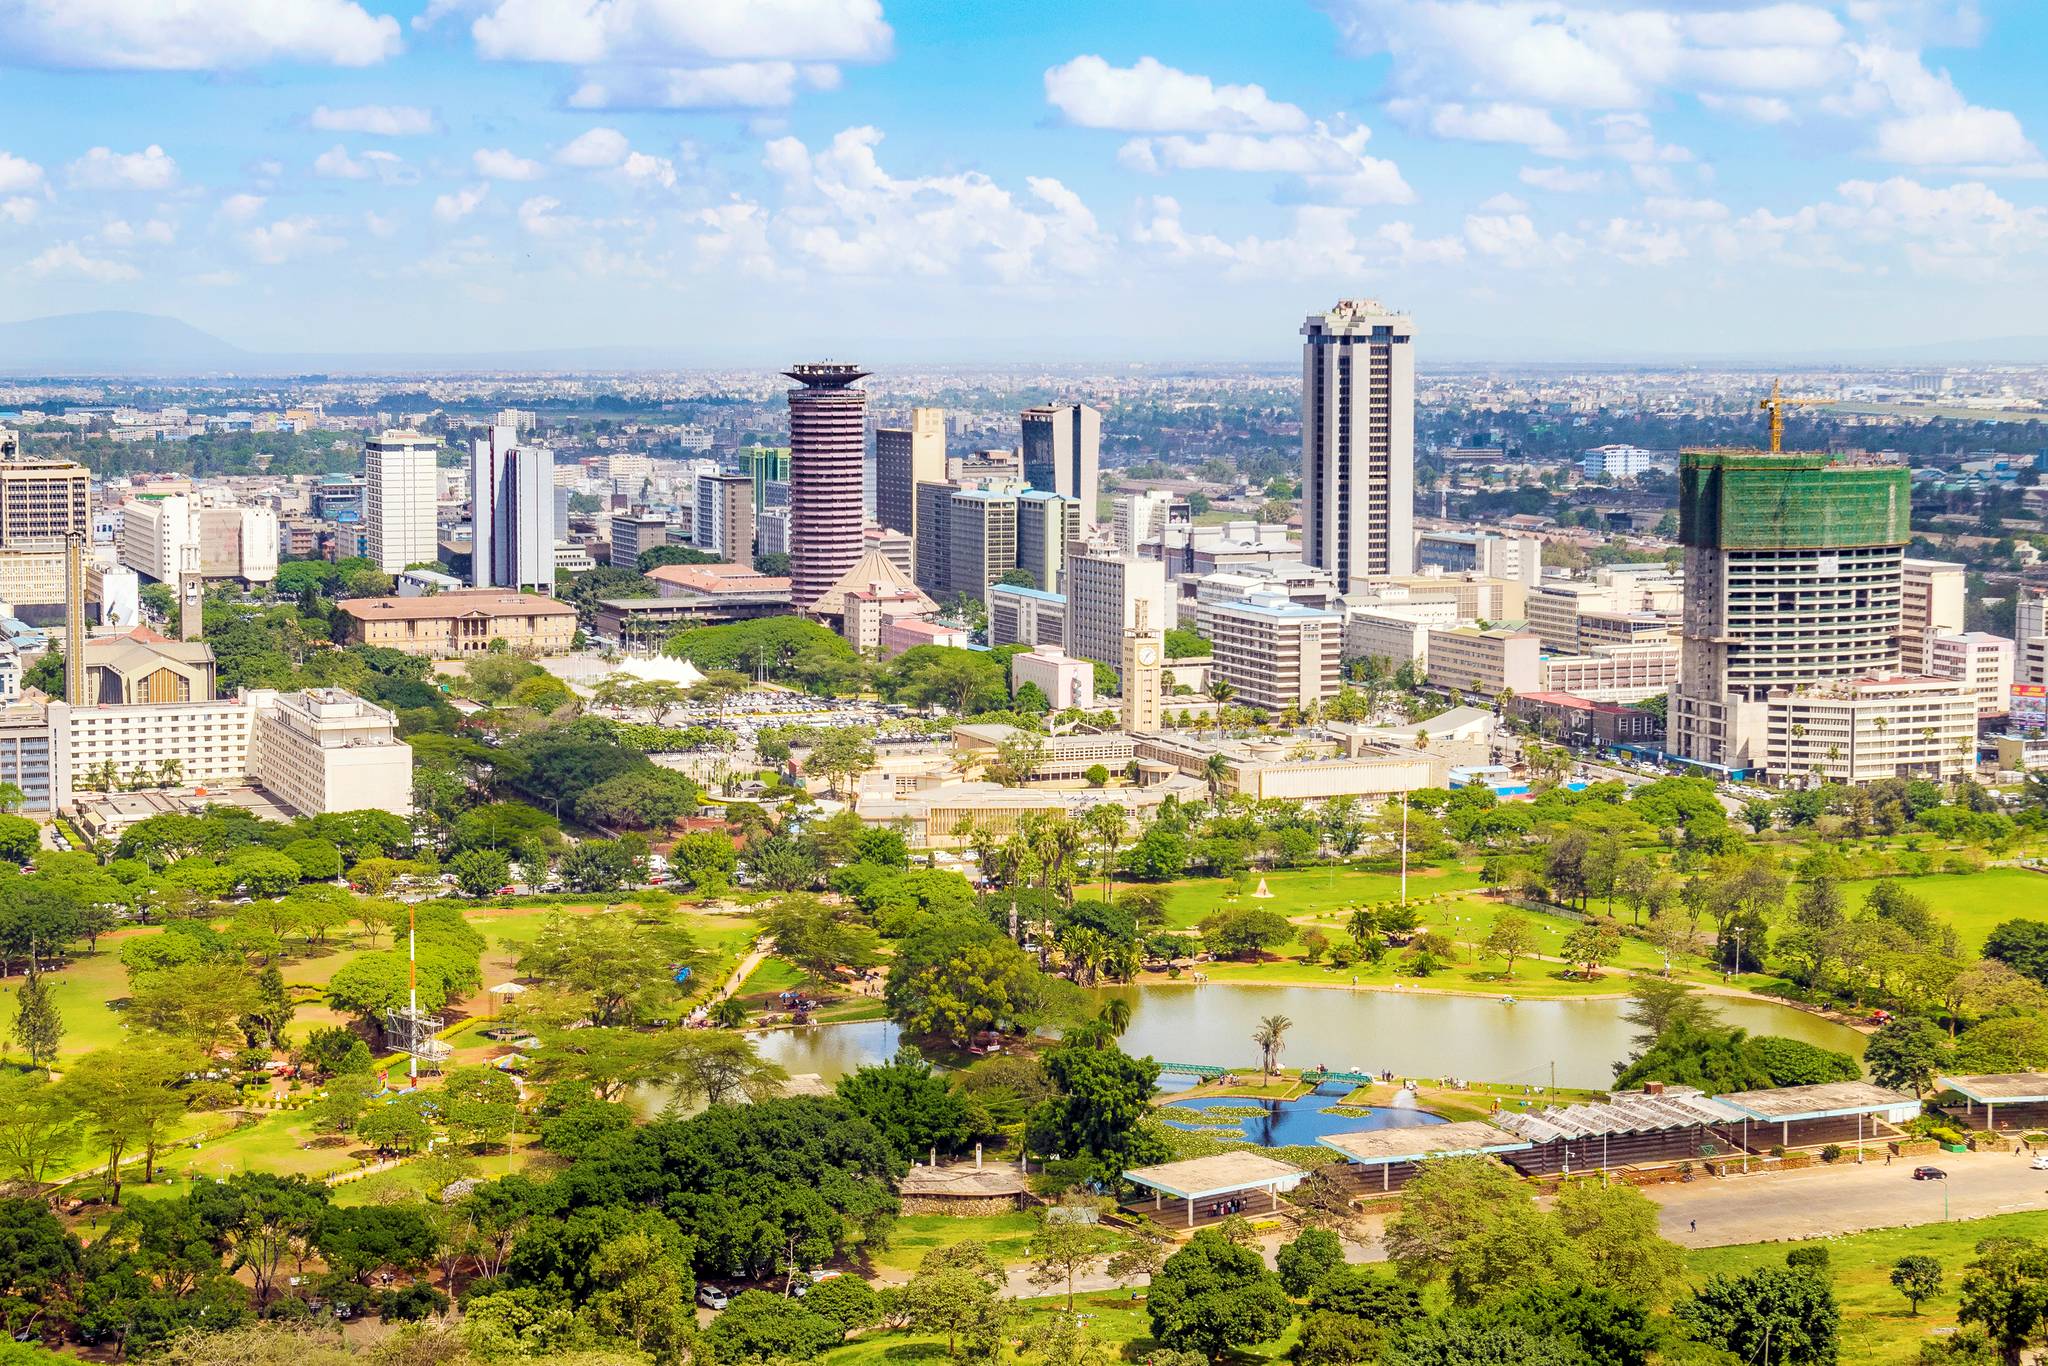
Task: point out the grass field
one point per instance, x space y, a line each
1007 1235
1973 903
1877 1328
1307 891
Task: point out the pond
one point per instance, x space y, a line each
1286 1123
1408 1033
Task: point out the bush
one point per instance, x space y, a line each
1813 1259
1831 1153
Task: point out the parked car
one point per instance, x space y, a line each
711 1297
2040 1164
1929 1174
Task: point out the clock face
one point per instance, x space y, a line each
1147 656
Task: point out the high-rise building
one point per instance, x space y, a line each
1045 523
931 567
827 450
398 500
1486 553
767 465
1062 444
904 458
154 534
43 502
1276 652
1794 566
981 535
511 513
725 516
1931 602
1358 442
1107 594
633 534
1140 517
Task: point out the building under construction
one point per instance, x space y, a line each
1794 573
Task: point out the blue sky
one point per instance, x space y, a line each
903 180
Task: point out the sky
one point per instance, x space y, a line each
740 181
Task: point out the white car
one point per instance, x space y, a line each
2040 1164
711 1297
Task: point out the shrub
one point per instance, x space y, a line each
1831 1153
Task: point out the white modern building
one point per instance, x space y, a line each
1065 681
1983 663
1104 589
326 750
1486 553
1140 517
1862 730
1617 462
399 507
1358 442
1275 652
512 514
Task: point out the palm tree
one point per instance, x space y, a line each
1221 690
1215 769
1271 1037
1107 823
170 772
1116 1015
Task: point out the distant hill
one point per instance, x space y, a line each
114 343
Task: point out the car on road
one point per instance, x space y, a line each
711 1297
2040 1164
1929 1174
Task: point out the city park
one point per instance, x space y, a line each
1269 995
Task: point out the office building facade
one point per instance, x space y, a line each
827 450
904 458
1046 522
1358 442
1062 452
725 516
399 503
512 514
1107 594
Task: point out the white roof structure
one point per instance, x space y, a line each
1625 1112
662 669
1199 1178
1419 1142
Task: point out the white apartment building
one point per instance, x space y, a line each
325 750
1554 608
208 740
1931 597
1358 442
1486 553
1616 673
1487 662
1983 663
1275 652
1066 681
399 504
1617 462
154 534
1104 589
1138 518
1026 616
237 542
1866 729
1396 640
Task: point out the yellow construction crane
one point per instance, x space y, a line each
1776 405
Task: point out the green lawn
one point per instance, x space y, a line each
1877 1330
1007 1235
1305 891
1971 902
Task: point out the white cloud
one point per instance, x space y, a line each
498 163
337 164
193 35
1504 203
1332 164
1968 136
1686 210
1321 243
459 204
241 208
1151 97
681 32
19 209
1639 244
643 169
375 120
104 169
735 85
65 258
379 225
1526 124
842 213
1513 240
600 147
121 233
1750 108
735 235
287 239
17 174
1561 179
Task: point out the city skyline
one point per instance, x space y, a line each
1558 180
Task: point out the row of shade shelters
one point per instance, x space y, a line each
1661 1124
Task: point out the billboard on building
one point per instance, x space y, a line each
2029 706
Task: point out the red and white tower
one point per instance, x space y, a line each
827 450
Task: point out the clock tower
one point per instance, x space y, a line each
1144 656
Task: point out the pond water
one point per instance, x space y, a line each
1408 1033
1289 1122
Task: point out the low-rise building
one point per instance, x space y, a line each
1394 640
1621 673
449 624
1487 553
1981 662
1469 660
907 633
325 750
1585 723
1312 769
1862 730
868 610
1025 616
1065 680
1067 758
28 754
1276 653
